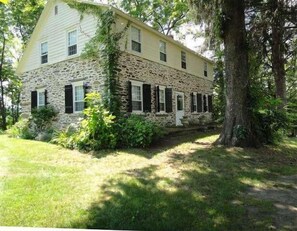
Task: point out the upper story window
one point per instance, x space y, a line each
183 60
137 97
163 55
135 39
44 52
72 42
40 98
56 10
205 69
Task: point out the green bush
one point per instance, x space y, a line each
43 118
136 131
38 126
96 131
22 129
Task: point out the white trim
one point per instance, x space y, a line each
76 84
40 90
138 84
163 89
40 52
130 38
72 29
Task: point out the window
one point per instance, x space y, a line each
136 96
136 39
163 56
183 60
205 103
194 102
79 95
72 43
162 99
205 69
40 98
44 52
56 10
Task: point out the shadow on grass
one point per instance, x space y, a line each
204 190
166 143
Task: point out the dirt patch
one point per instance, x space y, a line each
283 195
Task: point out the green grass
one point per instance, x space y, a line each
180 184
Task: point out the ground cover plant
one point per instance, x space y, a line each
181 183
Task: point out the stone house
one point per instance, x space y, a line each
159 77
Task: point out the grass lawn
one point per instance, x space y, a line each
183 183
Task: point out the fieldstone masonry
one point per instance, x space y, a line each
54 77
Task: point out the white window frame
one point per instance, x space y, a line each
41 54
163 89
138 84
140 39
165 52
195 101
41 90
67 42
76 84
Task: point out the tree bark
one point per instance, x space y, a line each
237 124
278 50
2 104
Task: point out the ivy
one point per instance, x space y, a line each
104 47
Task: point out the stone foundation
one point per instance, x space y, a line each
54 77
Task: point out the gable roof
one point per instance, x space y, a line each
49 6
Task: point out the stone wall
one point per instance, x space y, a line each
54 77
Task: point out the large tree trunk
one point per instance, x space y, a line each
2 104
278 50
237 124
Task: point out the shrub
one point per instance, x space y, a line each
136 131
43 117
96 131
22 129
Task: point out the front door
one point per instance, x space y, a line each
179 106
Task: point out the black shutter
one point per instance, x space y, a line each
168 99
157 99
146 88
199 103
192 102
85 95
45 98
210 107
68 99
33 99
205 109
129 96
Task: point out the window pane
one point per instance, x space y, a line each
79 93
41 99
79 106
183 56
163 47
72 50
136 93
180 103
44 48
136 46
162 106
135 34
162 96
163 57
136 105
43 59
72 38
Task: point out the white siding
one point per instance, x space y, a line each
54 30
